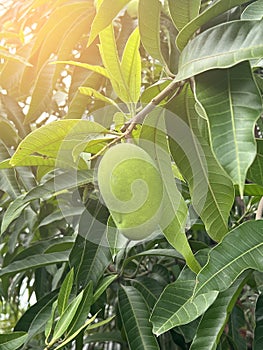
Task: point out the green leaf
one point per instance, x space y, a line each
82 312
131 65
182 12
233 106
12 341
74 335
105 283
49 324
150 289
215 318
176 306
237 41
258 339
111 61
253 11
135 319
64 292
255 172
8 133
33 262
106 13
240 250
56 137
210 12
149 27
211 190
65 319
153 139
42 93
97 69
93 93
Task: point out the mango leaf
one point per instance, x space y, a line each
253 11
228 260
12 341
64 293
211 190
258 339
42 93
49 324
106 13
111 61
182 12
255 172
16 58
233 106
150 289
135 319
149 27
153 139
33 262
176 306
97 69
8 133
65 319
215 318
48 139
82 312
131 65
90 255
93 93
237 41
103 285
210 12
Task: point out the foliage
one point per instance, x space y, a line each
183 81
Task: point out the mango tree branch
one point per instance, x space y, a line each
139 118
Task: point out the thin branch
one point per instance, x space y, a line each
139 118
259 210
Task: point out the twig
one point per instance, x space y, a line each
139 118
259 210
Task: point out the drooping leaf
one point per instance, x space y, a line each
97 69
237 41
210 12
93 93
176 306
149 27
215 318
64 293
131 65
228 260
233 106
106 13
253 11
33 262
183 12
135 319
211 190
12 341
153 139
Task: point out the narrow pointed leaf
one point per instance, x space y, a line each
97 69
149 27
176 306
64 293
211 190
12 341
93 93
211 12
228 260
131 65
135 319
237 41
182 12
105 283
233 106
215 318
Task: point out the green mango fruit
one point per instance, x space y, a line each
132 189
